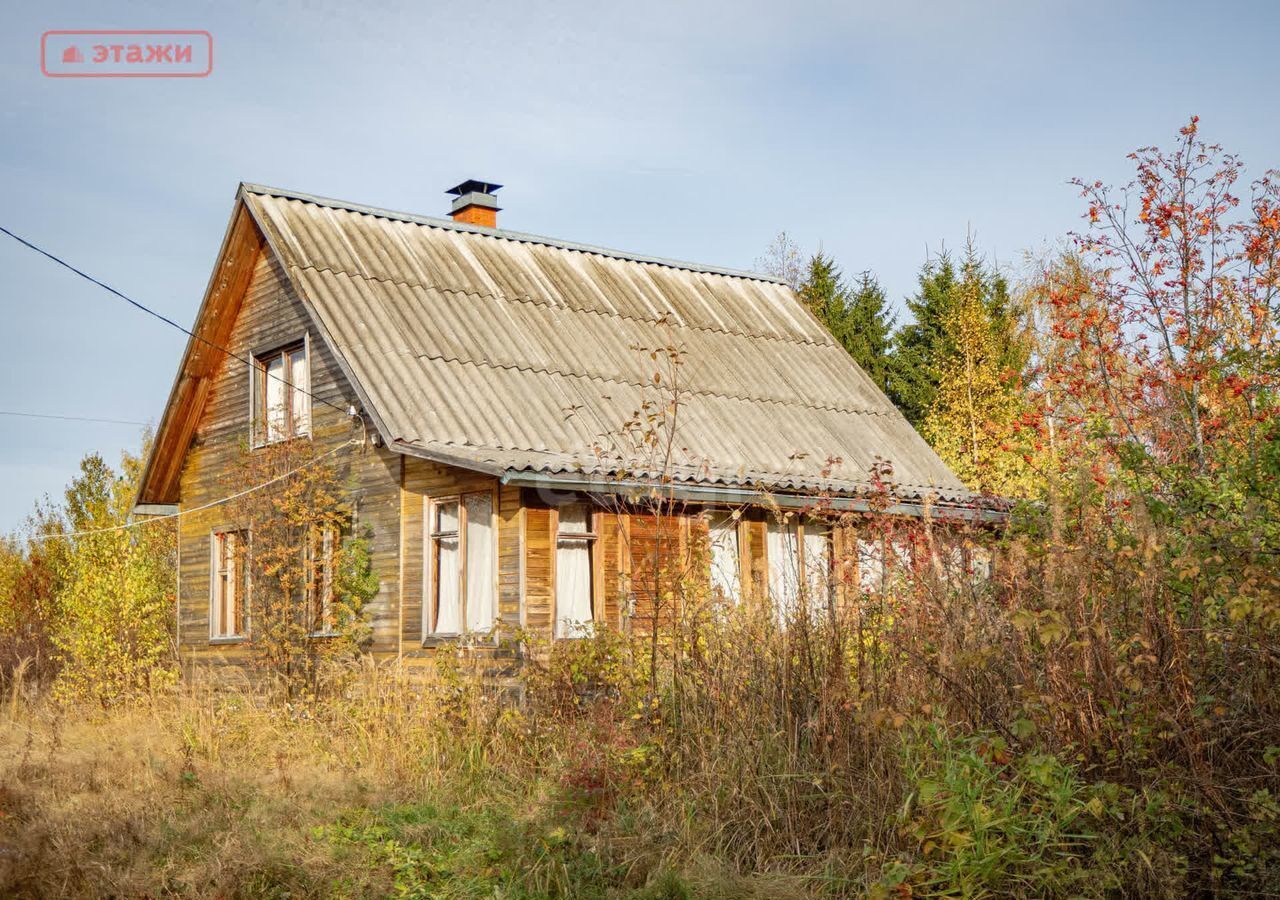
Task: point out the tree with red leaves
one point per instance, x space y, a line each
1171 341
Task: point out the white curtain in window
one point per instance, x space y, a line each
980 564
722 533
817 565
326 622
223 600
573 574
784 567
275 389
448 599
481 591
298 377
870 566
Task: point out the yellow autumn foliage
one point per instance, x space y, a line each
973 424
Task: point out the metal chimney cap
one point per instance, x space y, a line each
472 186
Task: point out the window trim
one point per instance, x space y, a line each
258 413
430 583
803 586
330 538
217 537
741 539
591 537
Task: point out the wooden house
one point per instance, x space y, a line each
491 381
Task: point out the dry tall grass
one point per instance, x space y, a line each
220 794
1073 727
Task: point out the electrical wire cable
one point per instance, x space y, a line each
31 415
163 318
195 509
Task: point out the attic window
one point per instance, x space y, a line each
281 394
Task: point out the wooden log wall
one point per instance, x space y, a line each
270 317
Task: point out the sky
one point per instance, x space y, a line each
878 132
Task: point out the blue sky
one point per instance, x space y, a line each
691 130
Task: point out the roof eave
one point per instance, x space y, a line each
447 459
978 509
167 418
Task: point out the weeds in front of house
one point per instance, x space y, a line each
1067 727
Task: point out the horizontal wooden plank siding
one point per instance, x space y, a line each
614 589
539 567
269 317
425 480
510 558
658 563
754 528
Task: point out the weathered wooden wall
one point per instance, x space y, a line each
659 560
270 317
638 557
610 561
425 480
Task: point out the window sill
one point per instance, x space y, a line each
262 445
229 639
579 631
474 637
325 634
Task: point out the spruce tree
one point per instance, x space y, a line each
868 329
922 348
823 291
857 318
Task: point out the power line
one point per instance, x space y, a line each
195 509
163 318
31 415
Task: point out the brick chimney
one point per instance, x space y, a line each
474 203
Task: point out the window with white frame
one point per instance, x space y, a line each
967 563
281 394
462 564
575 547
799 560
724 556
229 585
319 580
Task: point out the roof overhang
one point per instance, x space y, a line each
241 245
980 510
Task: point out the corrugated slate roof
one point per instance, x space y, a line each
522 354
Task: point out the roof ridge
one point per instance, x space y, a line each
504 234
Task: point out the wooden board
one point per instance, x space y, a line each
268 316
